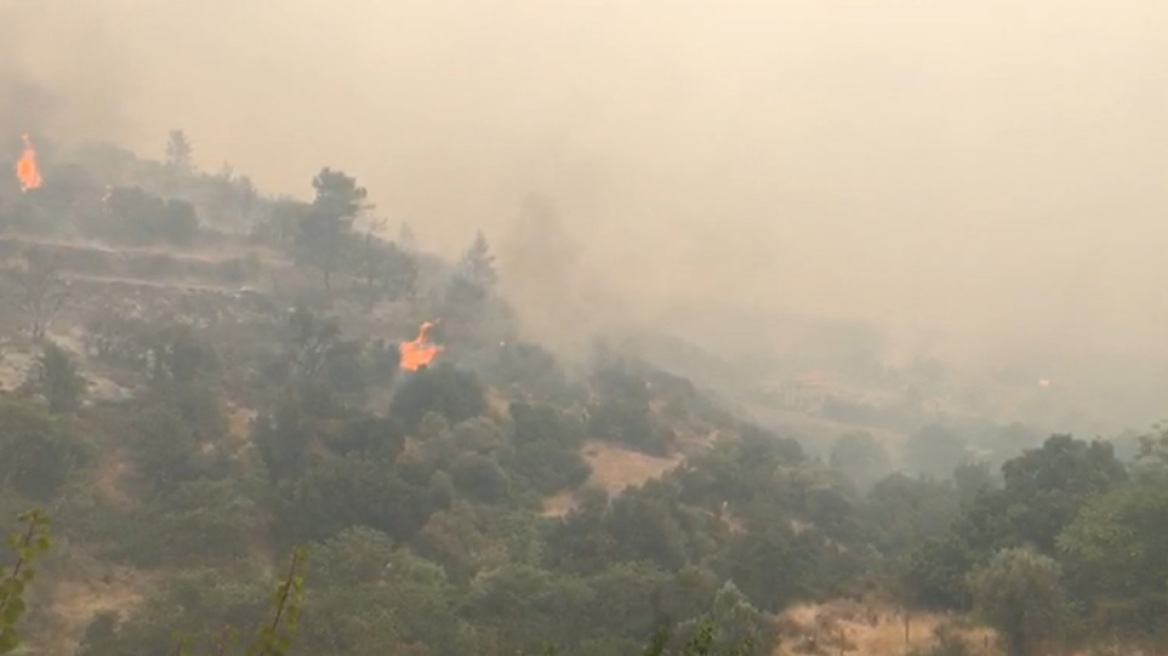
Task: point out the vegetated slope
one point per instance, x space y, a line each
150 317
199 417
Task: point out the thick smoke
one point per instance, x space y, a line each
62 72
988 176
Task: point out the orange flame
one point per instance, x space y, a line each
421 351
26 168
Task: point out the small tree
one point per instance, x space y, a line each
309 341
55 377
41 290
274 637
1019 593
1154 446
178 150
732 627
31 542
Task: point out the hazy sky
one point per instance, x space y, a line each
997 168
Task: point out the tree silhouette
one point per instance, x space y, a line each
325 230
178 150
478 263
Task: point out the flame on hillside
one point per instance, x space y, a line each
421 351
26 168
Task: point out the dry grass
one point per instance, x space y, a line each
865 629
239 421
76 602
111 470
13 368
559 505
498 405
615 467
691 443
413 450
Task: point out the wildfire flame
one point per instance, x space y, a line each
421 351
26 167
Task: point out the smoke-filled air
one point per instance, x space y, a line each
583 327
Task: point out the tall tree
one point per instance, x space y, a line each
1116 559
478 263
326 230
1048 486
903 512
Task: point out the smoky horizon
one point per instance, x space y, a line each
983 182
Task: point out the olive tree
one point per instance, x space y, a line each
1019 593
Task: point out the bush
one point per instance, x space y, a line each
200 523
37 452
134 216
543 424
450 392
631 423
548 467
337 493
480 478
54 376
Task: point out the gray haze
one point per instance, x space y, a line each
994 170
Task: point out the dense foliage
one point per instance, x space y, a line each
456 508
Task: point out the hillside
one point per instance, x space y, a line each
198 378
